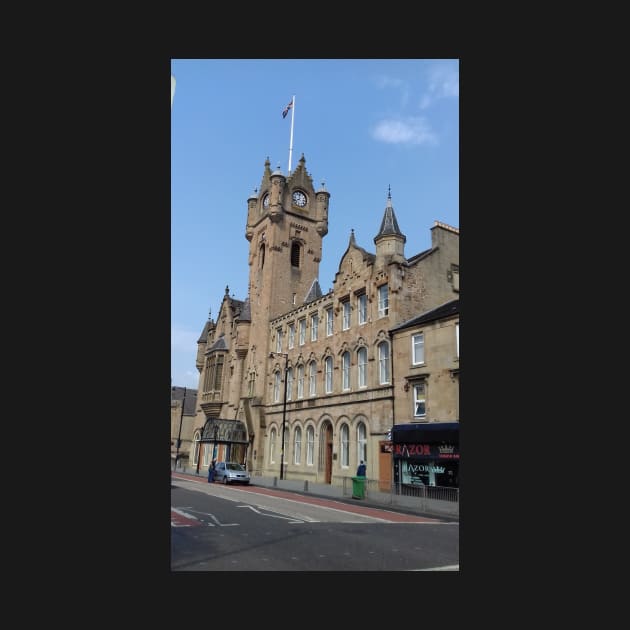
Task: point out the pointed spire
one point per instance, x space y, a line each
389 225
352 241
227 290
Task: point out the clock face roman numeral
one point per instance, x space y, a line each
299 198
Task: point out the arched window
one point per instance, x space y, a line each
262 255
312 378
383 363
272 446
300 374
276 387
345 445
310 445
295 254
328 363
362 361
297 445
197 443
361 442
290 384
345 371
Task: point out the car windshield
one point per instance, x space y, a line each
234 467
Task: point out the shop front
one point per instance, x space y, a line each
426 454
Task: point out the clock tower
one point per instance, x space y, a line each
286 222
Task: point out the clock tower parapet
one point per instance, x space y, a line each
322 197
252 202
275 197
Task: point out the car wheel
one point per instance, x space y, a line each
225 480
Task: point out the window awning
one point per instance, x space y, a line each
221 431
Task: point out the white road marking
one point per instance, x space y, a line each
291 520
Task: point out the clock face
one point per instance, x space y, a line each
266 201
299 198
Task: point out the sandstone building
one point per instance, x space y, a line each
320 364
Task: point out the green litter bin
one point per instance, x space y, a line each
358 487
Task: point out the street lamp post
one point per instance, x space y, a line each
179 435
284 409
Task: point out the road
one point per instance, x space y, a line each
248 528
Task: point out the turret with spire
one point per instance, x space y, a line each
390 241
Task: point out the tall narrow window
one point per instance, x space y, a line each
276 387
314 324
286 445
361 442
345 371
297 446
329 321
300 379
362 365
291 335
295 254
328 363
457 340
417 348
206 378
272 446
290 384
419 401
279 340
362 308
302 331
383 301
312 378
218 373
346 315
383 363
345 445
310 445
197 442
262 255
252 383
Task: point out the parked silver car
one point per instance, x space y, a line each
230 472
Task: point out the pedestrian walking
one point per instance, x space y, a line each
361 469
211 470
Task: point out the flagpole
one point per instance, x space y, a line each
291 140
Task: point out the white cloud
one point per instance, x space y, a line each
404 131
443 83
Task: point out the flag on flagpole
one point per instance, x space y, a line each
287 108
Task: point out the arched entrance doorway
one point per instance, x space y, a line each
226 439
326 450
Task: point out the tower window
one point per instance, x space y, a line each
295 254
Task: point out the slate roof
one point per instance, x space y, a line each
314 292
177 393
444 310
219 344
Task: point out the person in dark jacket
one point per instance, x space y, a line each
361 470
211 469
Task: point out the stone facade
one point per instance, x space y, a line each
184 417
335 348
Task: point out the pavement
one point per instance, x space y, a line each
379 500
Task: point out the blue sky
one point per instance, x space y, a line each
362 124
